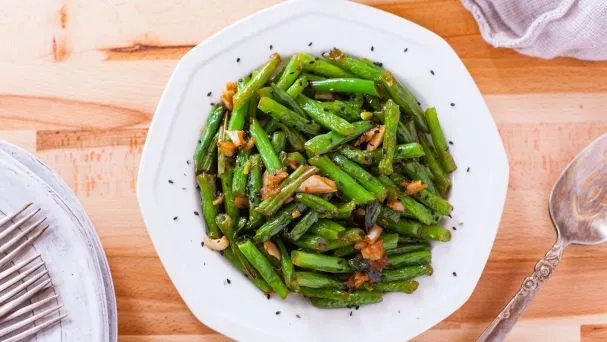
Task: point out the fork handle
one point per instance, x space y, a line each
503 323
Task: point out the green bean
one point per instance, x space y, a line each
286 266
271 126
270 206
239 182
209 156
313 77
257 81
389 214
284 98
320 244
320 262
416 171
298 87
390 241
389 144
265 91
348 110
324 117
366 179
405 286
403 227
404 98
354 65
406 273
340 303
254 192
403 134
265 148
229 203
277 223
322 67
206 182
263 266
279 141
408 248
290 73
312 242
441 180
345 85
344 210
345 184
434 202
363 157
317 203
317 280
297 157
207 135
409 259
277 74
287 116
336 294
256 279
373 102
345 251
440 143
327 142
303 225
435 233
327 229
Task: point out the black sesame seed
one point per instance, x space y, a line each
317 58
454 274
419 103
379 64
350 313
199 141
291 72
187 162
298 316
453 228
196 213
398 311
450 142
240 79
268 296
209 93
204 263
357 307
312 62
432 72
372 48
310 44
175 218
277 312
301 83
250 74
197 187
170 181
406 49
271 47
452 104
468 169
325 109
238 60
228 281
202 244
212 103
183 188
450 216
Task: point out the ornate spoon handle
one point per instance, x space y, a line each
502 324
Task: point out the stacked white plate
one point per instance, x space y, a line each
70 248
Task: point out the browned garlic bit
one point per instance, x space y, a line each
216 244
271 248
317 185
228 93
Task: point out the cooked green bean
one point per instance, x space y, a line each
263 266
257 81
440 143
265 148
279 221
303 225
345 184
406 273
279 141
298 87
290 73
318 204
389 144
317 280
340 303
322 67
404 98
345 85
239 182
271 205
324 117
354 65
366 179
287 116
405 286
327 142
320 262
207 186
409 259
207 135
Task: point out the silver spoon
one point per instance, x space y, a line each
578 208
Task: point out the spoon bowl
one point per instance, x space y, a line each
578 202
578 208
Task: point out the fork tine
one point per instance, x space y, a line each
11 216
18 224
18 266
35 329
17 249
29 320
8 295
20 276
28 309
27 295
8 244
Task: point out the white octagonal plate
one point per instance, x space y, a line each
239 310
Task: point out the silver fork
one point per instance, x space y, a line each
18 283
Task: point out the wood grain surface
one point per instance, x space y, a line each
80 81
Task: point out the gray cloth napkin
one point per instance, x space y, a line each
544 28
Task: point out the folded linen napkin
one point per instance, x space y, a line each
544 28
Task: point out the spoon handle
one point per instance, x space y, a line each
502 324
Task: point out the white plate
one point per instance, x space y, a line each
70 248
239 310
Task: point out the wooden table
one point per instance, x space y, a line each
80 80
